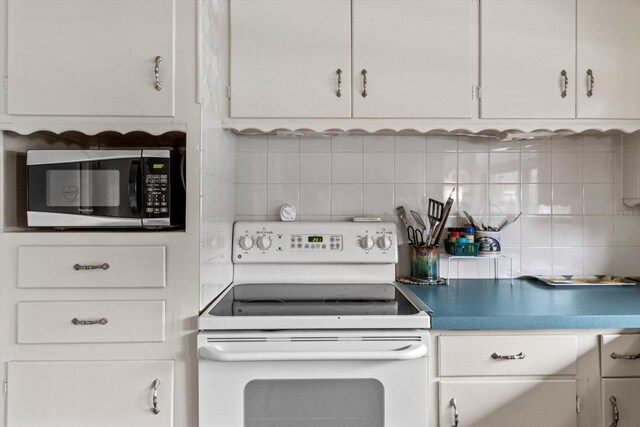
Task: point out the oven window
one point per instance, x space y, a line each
76 188
314 403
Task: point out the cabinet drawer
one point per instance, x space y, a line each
620 355
50 322
91 267
535 355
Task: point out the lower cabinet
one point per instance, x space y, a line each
620 402
90 393
522 403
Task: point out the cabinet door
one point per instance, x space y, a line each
525 47
417 56
96 394
621 395
285 57
533 403
609 46
90 57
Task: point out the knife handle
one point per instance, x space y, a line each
442 224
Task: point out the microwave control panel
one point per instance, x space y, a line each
156 187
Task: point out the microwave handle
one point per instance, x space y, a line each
134 188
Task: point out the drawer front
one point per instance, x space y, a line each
489 355
91 267
61 322
620 355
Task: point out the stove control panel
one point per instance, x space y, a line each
315 242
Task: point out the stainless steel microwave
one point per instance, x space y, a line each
105 188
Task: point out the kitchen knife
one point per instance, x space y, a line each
442 224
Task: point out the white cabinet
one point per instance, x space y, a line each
525 48
608 46
417 56
620 396
522 403
285 57
96 394
90 57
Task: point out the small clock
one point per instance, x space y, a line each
287 213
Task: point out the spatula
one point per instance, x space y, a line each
443 220
419 221
434 213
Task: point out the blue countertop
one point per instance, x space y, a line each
528 304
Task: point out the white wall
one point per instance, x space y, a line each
569 190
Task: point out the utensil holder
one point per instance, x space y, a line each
425 264
489 243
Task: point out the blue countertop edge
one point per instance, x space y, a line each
535 322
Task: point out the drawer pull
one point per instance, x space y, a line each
615 355
79 267
616 414
454 405
508 356
154 397
77 321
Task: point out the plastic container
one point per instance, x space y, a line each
489 243
461 249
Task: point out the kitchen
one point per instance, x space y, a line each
352 112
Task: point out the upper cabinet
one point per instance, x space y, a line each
91 58
290 58
608 74
527 58
412 58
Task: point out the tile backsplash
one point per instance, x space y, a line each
568 188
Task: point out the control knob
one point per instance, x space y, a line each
366 242
384 242
246 242
264 242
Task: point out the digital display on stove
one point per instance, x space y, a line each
315 239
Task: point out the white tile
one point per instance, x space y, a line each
597 231
315 218
473 144
536 199
535 231
346 199
536 260
442 167
346 168
599 260
567 261
478 268
473 198
504 198
536 167
251 199
504 167
283 168
377 200
251 143
567 167
631 150
567 199
504 146
599 143
437 143
536 145
346 143
315 168
315 143
631 182
251 168
410 168
598 167
283 143
412 144
598 199
411 196
626 261
567 231
315 199
617 167
567 143
379 167
379 143
504 267
473 168
627 231
510 234
280 194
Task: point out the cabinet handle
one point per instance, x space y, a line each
616 414
590 82
454 405
615 355
520 355
565 83
104 266
339 91
154 397
157 73
364 83
77 321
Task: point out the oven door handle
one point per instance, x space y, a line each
406 352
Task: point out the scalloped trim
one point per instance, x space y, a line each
93 129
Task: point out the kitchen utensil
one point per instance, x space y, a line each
489 243
510 219
415 236
434 213
419 221
471 220
435 237
402 213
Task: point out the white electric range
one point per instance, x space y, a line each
314 332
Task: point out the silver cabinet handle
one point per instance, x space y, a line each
590 82
520 355
565 83
154 397
339 91
453 404
77 321
616 414
364 83
615 355
157 73
104 266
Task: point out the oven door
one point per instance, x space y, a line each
84 188
346 381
